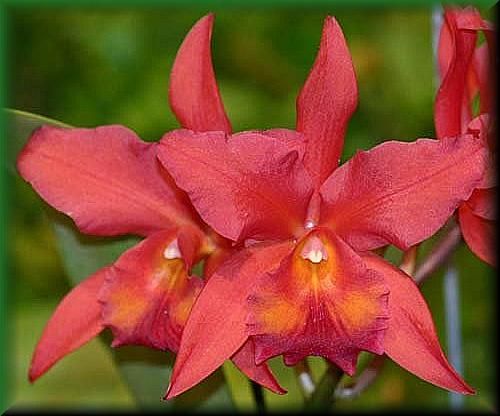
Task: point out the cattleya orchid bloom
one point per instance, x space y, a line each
111 183
466 73
304 280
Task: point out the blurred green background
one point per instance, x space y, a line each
89 67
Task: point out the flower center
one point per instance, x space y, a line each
172 251
314 250
314 263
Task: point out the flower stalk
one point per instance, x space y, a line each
324 394
304 378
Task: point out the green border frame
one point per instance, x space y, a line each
231 3
4 82
4 204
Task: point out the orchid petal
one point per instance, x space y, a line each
244 186
482 203
445 50
411 339
482 128
193 93
478 233
244 359
106 179
148 294
470 19
401 193
326 103
452 106
321 301
76 321
216 327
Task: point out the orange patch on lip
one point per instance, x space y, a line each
280 315
358 309
131 307
314 264
168 275
312 275
168 279
180 311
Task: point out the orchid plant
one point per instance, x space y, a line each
288 237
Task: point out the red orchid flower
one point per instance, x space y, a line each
111 183
466 73
306 282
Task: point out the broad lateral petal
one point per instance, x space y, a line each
193 93
326 103
106 179
478 233
76 321
244 359
244 186
401 193
321 301
216 327
452 106
411 339
148 294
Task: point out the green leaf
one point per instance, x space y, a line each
240 387
20 125
146 371
81 254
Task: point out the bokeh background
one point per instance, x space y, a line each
89 67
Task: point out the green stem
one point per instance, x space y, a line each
304 378
323 397
258 395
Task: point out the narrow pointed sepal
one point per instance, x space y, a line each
193 93
76 321
326 102
411 339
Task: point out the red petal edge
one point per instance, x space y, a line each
411 339
326 103
193 93
244 359
76 320
478 233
